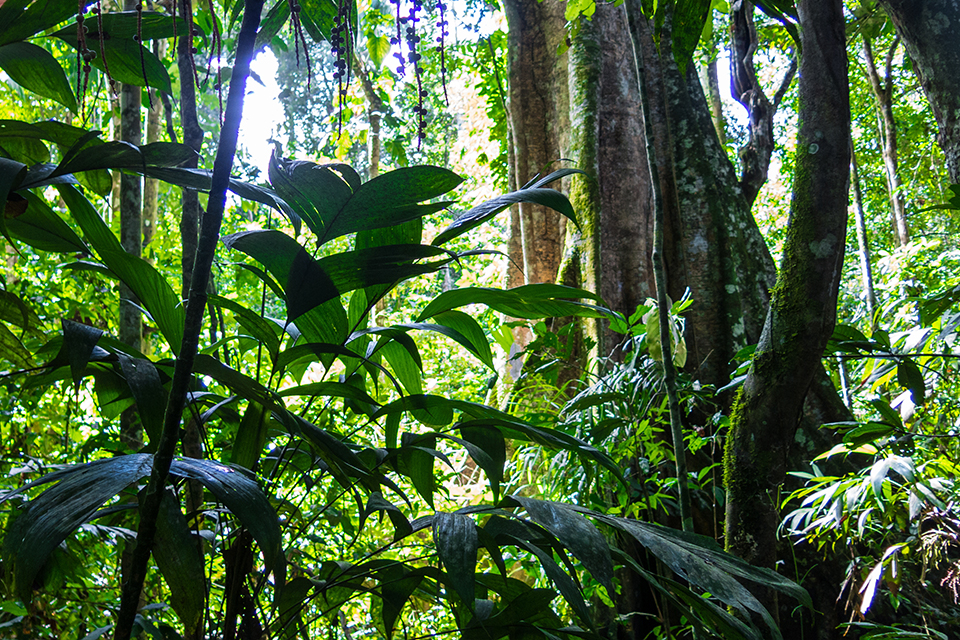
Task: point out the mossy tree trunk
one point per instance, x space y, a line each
802 309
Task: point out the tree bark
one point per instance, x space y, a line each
538 108
193 138
883 92
863 244
802 309
755 154
928 29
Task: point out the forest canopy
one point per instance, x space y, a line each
540 319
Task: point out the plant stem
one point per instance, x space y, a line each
206 249
634 14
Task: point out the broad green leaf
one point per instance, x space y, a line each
177 553
689 17
378 46
20 24
128 60
17 312
152 290
473 218
490 441
532 301
263 330
12 173
395 591
577 534
240 494
251 436
474 338
565 584
41 228
12 349
309 283
272 22
79 341
455 536
330 390
144 381
36 70
125 25
910 377
377 503
315 192
418 461
200 179
49 518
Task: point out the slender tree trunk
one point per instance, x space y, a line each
151 186
928 29
374 113
193 138
863 244
755 154
710 81
883 92
802 309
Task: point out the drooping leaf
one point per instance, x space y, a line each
20 21
177 553
263 330
577 534
79 341
377 503
151 288
455 536
532 301
251 436
476 216
148 25
53 515
41 228
12 349
240 494
491 442
36 70
128 61
910 377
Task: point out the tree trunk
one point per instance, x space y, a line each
538 108
883 92
863 244
802 309
928 29
193 138
755 154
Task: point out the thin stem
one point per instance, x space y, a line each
660 276
206 249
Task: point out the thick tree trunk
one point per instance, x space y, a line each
607 141
803 305
883 92
538 110
928 29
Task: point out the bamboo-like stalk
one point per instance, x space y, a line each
206 249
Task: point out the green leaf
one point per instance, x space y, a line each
19 24
41 228
481 213
577 534
468 333
12 174
491 443
129 61
315 192
53 515
689 17
79 341
377 503
330 390
262 330
36 70
378 47
910 377
176 551
308 283
144 381
251 436
124 25
532 301
12 349
565 584
151 288
455 536
240 494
